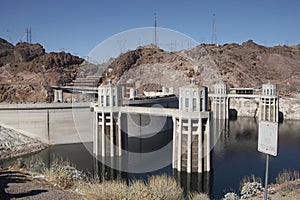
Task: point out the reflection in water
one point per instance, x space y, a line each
235 155
195 182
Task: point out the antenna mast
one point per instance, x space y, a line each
214 31
155 32
28 34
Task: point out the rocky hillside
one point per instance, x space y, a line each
246 65
13 143
27 72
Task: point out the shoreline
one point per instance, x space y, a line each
14 144
58 184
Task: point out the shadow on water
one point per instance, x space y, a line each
195 182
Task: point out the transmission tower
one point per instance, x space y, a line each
214 31
28 34
155 39
122 45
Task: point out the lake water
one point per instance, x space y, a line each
235 156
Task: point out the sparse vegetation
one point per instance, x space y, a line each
64 175
250 179
198 196
287 175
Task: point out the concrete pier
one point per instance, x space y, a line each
191 135
191 126
220 102
107 131
268 104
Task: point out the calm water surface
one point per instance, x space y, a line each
235 156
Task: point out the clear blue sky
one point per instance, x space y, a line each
79 26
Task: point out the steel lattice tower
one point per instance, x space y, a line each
214 31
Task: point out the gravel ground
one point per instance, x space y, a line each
19 185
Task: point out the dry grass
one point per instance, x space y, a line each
104 190
65 176
158 187
287 175
164 187
198 196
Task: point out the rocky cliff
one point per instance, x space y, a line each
246 65
13 144
27 72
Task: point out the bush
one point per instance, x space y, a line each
230 196
250 186
249 179
164 187
286 175
104 190
198 196
63 174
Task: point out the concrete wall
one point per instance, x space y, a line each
50 123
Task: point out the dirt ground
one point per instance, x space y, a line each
19 185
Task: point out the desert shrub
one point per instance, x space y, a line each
102 191
287 175
198 196
63 174
250 186
249 179
164 187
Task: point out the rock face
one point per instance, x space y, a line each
14 144
27 72
245 107
6 52
24 52
246 65
290 108
26 68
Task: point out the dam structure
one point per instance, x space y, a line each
192 130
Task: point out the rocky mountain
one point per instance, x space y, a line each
27 72
246 65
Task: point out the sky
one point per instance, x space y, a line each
78 26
